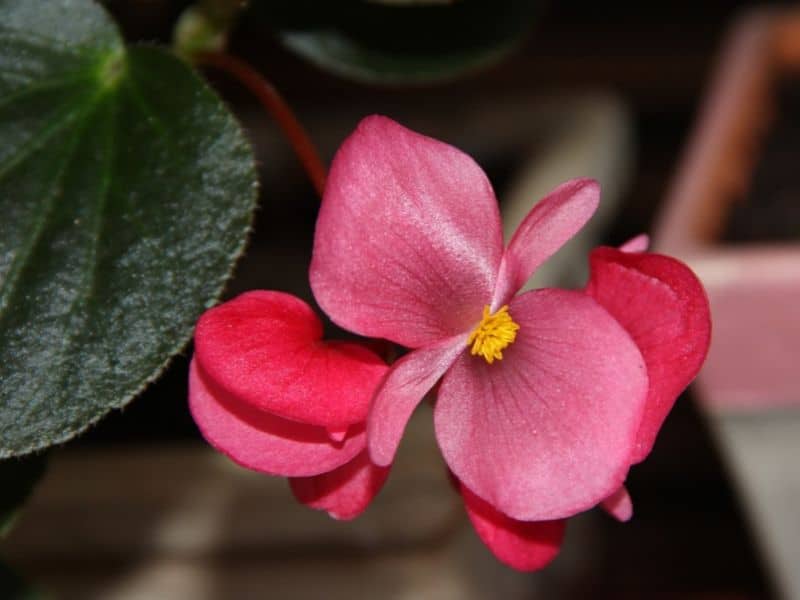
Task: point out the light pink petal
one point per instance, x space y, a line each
664 308
409 380
345 492
619 505
337 435
264 349
408 239
547 431
263 442
549 224
640 243
522 545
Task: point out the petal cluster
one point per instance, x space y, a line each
409 247
544 399
266 390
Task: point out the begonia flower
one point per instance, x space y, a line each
546 398
664 308
265 390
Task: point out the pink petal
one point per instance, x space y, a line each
549 224
408 381
663 306
337 435
547 431
619 505
345 492
640 243
408 239
522 545
264 349
263 442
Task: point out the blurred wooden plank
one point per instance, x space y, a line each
137 501
176 522
455 569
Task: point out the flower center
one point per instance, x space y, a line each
493 334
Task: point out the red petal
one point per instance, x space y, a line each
408 239
549 224
263 442
522 545
264 349
619 505
547 431
345 492
407 383
663 306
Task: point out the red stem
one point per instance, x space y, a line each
272 101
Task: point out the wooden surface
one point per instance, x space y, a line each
184 522
188 500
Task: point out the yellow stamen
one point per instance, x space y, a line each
493 334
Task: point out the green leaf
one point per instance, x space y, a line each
17 478
399 42
127 191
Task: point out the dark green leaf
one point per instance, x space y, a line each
17 478
126 190
399 42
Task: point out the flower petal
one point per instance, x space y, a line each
264 349
263 442
522 545
640 243
345 492
408 239
547 431
663 306
549 224
619 505
408 381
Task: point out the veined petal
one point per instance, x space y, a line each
409 379
264 348
343 493
619 505
408 238
522 545
549 224
547 431
263 442
663 306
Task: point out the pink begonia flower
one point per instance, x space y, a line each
673 341
546 398
265 390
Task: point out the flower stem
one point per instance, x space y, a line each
272 101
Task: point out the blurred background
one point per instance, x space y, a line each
550 90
